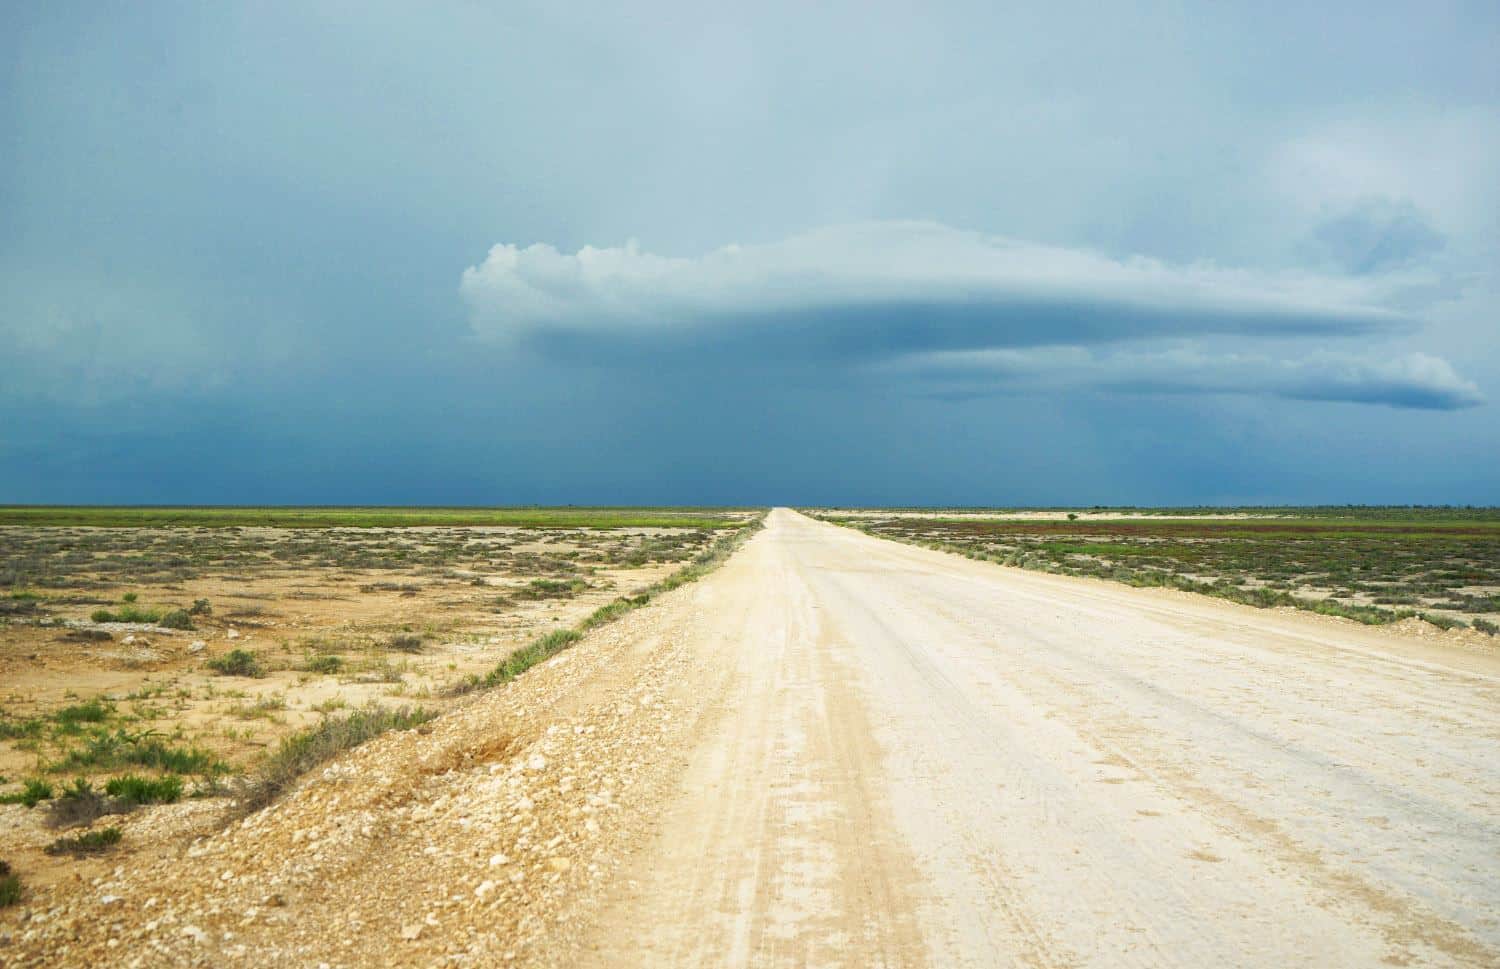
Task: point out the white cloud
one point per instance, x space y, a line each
879 274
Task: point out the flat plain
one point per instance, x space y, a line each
1372 565
180 647
832 749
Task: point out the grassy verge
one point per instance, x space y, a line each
290 517
556 641
300 753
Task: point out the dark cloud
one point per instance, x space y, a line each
1411 381
231 236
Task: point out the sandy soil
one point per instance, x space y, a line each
843 751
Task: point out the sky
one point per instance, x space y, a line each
773 253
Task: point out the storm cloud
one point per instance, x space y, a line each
950 252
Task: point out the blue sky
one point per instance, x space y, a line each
689 253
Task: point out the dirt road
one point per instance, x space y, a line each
840 751
926 760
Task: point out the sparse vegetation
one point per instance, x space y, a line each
119 517
32 793
105 749
1440 565
173 730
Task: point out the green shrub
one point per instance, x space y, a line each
201 607
133 789
127 613
237 662
176 619
128 597
88 843
1485 626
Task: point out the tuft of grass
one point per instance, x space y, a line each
133 789
301 752
324 664
1443 622
32 793
1487 627
237 662
88 843
94 711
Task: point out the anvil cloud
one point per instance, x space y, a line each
912 290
